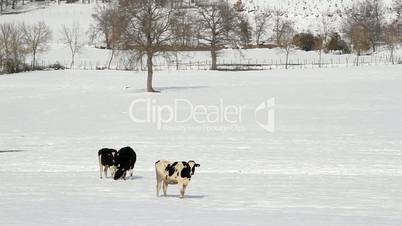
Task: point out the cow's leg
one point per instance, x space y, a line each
100 168
105 171
158 184
113 170
132 170
182 188
165 184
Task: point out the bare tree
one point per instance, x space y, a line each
360 40
279 19
216 22
147 31
378 11
326 28
36 38
182 31
261 18
103 14
71 38
286 38
245 29
392 38
12 51
397 6
370 14
108 23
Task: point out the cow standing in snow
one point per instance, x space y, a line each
174 173
106 161
125 160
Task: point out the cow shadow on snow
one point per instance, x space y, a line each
134 177
185 196
11 151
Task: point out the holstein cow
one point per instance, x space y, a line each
106 161
174 173
124 161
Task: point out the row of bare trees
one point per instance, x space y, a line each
11 5
19 40
148 28
365 27
152 27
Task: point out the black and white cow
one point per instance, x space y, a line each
124 161
174 173
106 161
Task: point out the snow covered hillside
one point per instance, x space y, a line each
304 12
334 159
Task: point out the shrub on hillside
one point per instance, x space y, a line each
306 41
337 44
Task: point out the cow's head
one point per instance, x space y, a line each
193 164
119 173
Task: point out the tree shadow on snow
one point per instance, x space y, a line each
166 89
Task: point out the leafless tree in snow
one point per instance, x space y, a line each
36 38
261 18
279 18
12 51
108 24
147 31
370 14
392 38
71 38
286 38
216 22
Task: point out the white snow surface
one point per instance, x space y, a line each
335 158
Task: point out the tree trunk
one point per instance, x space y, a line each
357 59
150 73
111 58
214 57
320 59
72 61
177 60
33 59
287 59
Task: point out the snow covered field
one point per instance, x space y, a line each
334 159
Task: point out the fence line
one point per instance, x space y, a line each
239 65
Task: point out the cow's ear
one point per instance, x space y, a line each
197 165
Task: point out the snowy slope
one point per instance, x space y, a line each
307 14
304 12
335 158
